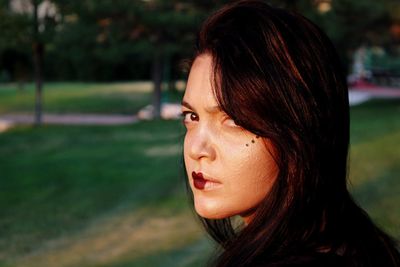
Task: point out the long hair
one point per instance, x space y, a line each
277 75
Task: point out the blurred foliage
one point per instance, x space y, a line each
14 45
351 23
115 40
119 40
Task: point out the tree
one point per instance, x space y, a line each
14 44
43 29
38 50
152 32
24 25
169 27
124 40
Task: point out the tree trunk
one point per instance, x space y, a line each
170 75
38 50
157 79
38 61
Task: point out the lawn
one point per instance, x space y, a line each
114 196
375 161
121 98
108 194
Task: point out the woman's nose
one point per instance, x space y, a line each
200 145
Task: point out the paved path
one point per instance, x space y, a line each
72 119
360 94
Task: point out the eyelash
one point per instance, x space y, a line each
191 119
184 113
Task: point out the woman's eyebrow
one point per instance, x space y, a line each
211 110
187 105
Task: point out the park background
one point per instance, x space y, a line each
112 194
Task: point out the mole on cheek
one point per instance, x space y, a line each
252 140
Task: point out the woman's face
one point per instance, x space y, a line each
230 169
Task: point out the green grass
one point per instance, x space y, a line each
122 98
375 161
55 180
114 196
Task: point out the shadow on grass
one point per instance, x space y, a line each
374 161
381 199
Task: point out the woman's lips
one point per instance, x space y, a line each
202 183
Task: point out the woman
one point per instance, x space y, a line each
267 117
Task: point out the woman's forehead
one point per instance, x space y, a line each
199 89
202 65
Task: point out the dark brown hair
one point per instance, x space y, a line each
278 76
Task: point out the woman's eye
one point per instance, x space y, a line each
189 116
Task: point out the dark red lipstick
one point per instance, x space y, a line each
198 180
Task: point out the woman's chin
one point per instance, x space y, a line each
210 215
211 211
